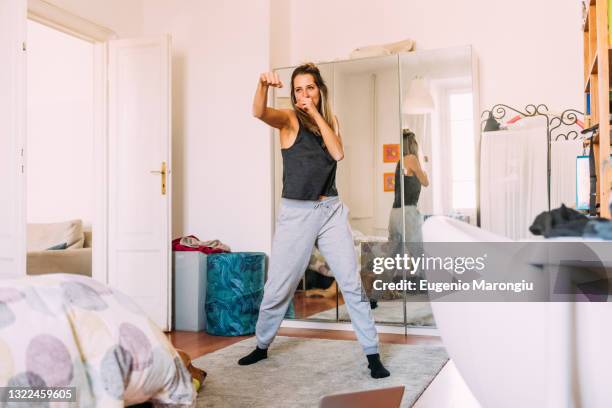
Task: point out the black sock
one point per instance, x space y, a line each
373 304
377 370
254 356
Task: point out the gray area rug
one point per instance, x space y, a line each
417 313
299 371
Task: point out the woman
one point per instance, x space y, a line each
310 211
414 178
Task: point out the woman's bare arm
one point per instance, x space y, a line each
411 162
331 138
277 118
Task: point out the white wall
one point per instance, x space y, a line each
353 97
388 132
360 105
59 150
222 155
368 112
124 17
529 51
280 33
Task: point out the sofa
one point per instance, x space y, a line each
62 247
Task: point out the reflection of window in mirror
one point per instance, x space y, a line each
459 172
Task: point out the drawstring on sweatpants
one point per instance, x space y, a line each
324 204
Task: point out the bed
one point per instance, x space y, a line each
555 353
62 330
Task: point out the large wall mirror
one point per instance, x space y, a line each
431 95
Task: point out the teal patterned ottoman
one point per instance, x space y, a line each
235 283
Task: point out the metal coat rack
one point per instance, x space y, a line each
556 126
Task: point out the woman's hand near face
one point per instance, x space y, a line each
270 79
307 105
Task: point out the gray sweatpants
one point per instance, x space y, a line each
299 226
412 231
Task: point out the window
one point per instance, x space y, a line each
461 131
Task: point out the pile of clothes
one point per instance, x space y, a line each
567 222
192 243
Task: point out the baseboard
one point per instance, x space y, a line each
413 331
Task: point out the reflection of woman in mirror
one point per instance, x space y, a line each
310 211
414 178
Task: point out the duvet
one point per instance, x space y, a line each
64 330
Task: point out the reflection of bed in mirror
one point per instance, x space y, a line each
370 98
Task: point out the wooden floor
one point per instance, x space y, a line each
307 306
446 390
199 344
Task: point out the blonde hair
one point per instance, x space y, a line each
324 106
410 143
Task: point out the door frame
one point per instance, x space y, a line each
15 92
71 24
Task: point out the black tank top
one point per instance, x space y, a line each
412 189
309 171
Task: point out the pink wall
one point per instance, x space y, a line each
59 120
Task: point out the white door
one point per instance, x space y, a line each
12 136
139 258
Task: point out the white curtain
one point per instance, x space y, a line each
513 186
563 172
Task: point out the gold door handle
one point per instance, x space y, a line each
163 173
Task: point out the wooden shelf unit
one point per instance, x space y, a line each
597 69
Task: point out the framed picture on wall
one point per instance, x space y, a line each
391 153
389 181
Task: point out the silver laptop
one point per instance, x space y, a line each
381 398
